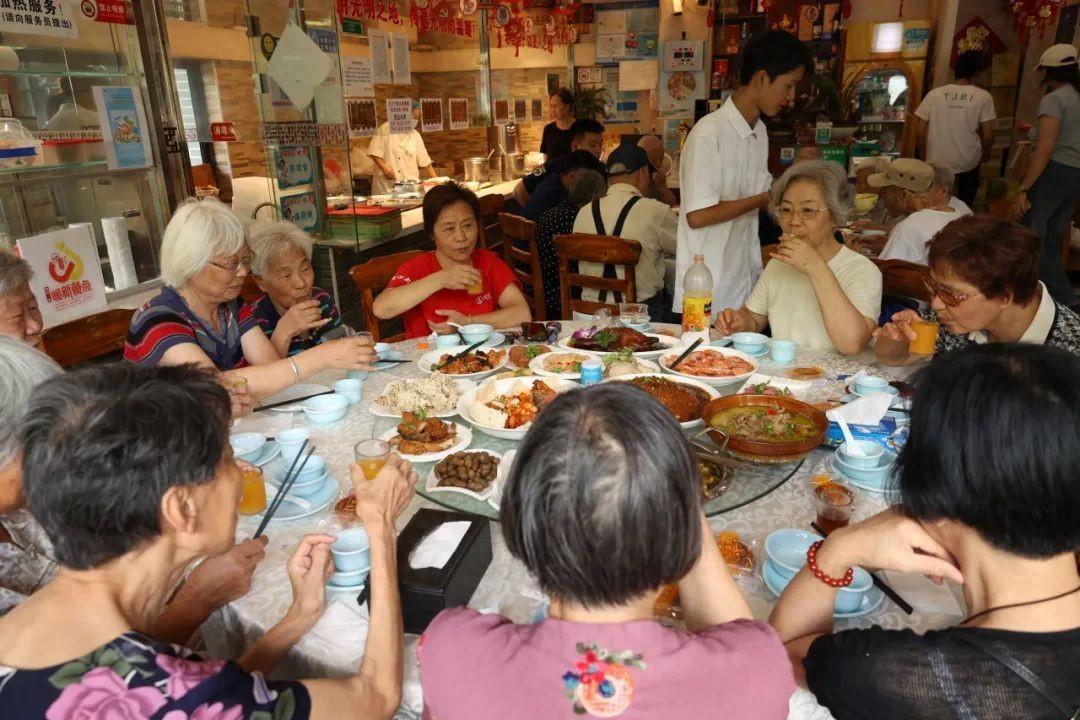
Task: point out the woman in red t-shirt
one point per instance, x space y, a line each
458 283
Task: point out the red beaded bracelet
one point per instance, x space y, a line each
811 562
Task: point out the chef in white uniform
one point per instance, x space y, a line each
398 157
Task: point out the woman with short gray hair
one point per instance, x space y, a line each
819 293
197 317
20 317
292 312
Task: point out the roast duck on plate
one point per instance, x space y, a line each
418 435
684 401
611 339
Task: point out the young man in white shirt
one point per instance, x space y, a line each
724 174
625 212
398 157
956 125
924 193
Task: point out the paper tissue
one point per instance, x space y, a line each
442 557
868 419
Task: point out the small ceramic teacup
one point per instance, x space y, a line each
867 384
290 442
475 332
350 388
783 351
351 550
351 579
447 341
749 342
870 457
849 599
247 446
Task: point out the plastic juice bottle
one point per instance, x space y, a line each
697 298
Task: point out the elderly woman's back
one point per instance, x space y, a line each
603 517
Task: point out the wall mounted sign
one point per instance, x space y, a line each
431 117
399 115
358 78
67 279
301 210
294 166
459 114
43 19
222 132
362 120
123 126
107 11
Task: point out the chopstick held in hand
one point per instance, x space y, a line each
283 489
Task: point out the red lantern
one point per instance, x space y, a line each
1029 15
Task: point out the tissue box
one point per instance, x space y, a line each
427 592
885 433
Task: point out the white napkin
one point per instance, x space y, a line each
435 550
923 595
867 410
798 388
344 622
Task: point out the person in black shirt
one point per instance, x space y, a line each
555 142
987 482
553 186
586 135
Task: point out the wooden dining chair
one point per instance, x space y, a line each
371 278
490 234
901 278
250 292
602 249
522 255
88 338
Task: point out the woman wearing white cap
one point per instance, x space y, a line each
1051 186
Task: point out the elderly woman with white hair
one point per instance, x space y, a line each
818 293
20 317
292 312
197 316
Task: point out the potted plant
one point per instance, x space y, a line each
590 102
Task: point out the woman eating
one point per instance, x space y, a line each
558 134
79 646
984 287
20 316
987 482
197 316
458 283
819 294
603 507
293 313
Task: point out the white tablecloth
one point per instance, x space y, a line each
335 647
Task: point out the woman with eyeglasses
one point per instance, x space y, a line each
984 287
819 293
198 318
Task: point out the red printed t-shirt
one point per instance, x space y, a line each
497 277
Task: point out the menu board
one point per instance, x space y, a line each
459 114
521 110
362 120
502 112
627 34
431 118
399 115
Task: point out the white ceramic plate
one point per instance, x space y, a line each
537 364
429 359
691 424
468 400
303 507
671 357
667 342
269 452
464 438
434 486
494 498
382 411
293 392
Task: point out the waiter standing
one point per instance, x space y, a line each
398 157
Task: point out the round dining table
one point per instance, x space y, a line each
334 648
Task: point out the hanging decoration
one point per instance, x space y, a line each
976 35
1032 15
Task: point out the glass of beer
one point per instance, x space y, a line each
253 497
926 334
371 455
834 503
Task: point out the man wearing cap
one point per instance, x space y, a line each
924 193
398 157
624 212
1050 188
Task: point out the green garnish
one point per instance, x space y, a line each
604 338
532 351
576 367
623 355
421 413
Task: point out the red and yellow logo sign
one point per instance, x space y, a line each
65 264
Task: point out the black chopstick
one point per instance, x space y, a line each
906 411
461 354
878 582
291 402
689 350
391 362
286 485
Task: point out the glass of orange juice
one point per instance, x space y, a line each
371 455
478 288
253 497
926 334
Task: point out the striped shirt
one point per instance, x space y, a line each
167 321
267 317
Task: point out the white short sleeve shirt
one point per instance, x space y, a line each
954 114
404 153
908 239
723 159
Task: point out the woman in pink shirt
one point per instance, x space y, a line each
604 512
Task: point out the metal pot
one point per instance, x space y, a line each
515 166
476 169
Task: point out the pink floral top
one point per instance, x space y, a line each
484 667
136 678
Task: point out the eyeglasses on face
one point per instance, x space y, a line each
233 265
807 214
950 297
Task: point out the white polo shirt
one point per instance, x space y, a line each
723 159
954 116
404 153
909 237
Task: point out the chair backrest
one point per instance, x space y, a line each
522 255
903 279
604 249
88 338
371 278
490 208
250 292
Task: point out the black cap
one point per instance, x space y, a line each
628 158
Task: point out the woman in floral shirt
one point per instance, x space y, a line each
129 471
